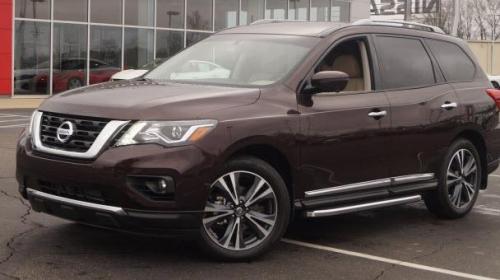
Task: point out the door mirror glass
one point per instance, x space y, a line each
329 81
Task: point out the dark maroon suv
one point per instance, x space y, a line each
236 135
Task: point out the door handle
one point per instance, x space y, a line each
449 105
377 114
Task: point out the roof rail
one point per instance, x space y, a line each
400 23
266 21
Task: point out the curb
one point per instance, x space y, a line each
20 103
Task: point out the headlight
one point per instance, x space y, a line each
32 120
166 133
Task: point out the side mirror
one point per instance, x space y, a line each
329 81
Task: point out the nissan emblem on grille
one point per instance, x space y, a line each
65 131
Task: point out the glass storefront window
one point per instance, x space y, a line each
168 43
251 10
170 13
139 12
32 58
194 37
73 10
106 11
276 9
199 14
320 10
298 10
33 9
69 56
340 11
180 23
105 53
226 13
138 47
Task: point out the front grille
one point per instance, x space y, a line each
87 193
86 131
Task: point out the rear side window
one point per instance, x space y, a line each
454 63
404 63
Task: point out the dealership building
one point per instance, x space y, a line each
48 46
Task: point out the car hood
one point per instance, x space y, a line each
149 100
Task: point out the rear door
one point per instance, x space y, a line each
423 107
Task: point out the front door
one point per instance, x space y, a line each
345 133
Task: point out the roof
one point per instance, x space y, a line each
299 28
321 29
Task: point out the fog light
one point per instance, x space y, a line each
156 188
159 186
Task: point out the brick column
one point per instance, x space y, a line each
6 30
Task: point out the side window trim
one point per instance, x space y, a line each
438 71
424 46
371 56
462 50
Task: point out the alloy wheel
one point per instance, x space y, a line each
462 178
241 210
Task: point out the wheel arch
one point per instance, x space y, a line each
267 151
477 139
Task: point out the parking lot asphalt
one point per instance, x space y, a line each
404 242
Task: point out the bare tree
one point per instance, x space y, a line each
442 17
466 22
479 10
492 17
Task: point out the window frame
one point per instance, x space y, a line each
372 60
438 78
439 65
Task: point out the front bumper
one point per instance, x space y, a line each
112 217
118 205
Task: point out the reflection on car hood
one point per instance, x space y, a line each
148 100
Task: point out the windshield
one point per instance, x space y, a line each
241 60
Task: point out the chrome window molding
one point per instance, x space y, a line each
78 203
405 179
99 144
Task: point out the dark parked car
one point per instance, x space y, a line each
312 119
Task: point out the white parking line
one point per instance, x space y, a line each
387 260
483 209
490 195
12 115
14 120
14 125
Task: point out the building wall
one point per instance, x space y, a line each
360 9
5 47
483 51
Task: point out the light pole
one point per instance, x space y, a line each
493 40
407 10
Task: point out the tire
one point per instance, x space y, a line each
262 188
74 83
458 189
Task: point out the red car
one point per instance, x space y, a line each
70 74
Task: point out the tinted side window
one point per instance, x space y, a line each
404 63
456 65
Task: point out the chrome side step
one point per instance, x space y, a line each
373 184
364 206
